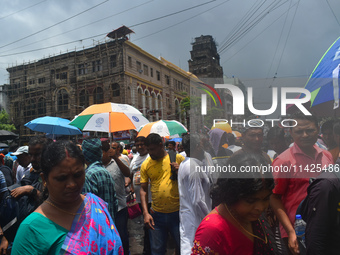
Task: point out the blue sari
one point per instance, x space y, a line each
92 231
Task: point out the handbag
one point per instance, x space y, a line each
133 207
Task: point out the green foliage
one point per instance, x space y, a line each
5 122
189 102
213 113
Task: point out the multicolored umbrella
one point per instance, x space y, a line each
323 83
222 125
109 117
52 125
165 128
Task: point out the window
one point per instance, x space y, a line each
167 79
158 75
97 66
130 61
16 109
115 90
30 109
151 71
113 61
61 76
146 70
138 66
98 95
31 81
41 80
41 107
62 100
83 99
82 69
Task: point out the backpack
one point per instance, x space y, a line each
9 212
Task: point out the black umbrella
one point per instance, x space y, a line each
3 145
7 135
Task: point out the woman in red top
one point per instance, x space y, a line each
234 226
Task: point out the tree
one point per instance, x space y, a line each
213 113
4 121
189 105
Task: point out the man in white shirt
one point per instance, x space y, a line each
24 162
194 182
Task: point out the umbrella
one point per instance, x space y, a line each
53 125
164 128
3 145
109 117
7 135
323 83
236 134
222 125
177 140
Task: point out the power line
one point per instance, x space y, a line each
278 43
256 36
247 27
168 15
61 44
290 28
23 52
21 10
181 21
65 32
333 13
54 25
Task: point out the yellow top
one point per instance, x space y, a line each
164 191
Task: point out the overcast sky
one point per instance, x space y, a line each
280 38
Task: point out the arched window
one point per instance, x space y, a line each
62 100
30 109
154 101
41 107
140 99
98 95
83 99
115 90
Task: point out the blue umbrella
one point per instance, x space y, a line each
178 139
53 125
323 83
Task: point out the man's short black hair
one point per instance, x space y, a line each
105 145
39 139
276 132
301 116
336 127
153 139
172 142
140 139
327 125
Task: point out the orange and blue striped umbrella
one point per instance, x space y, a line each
109 117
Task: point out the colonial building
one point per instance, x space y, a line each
115 71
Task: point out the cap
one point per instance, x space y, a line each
20 150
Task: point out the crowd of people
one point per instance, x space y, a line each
60 197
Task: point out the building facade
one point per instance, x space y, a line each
116 71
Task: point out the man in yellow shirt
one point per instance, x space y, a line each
164 212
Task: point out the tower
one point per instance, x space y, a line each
205 61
